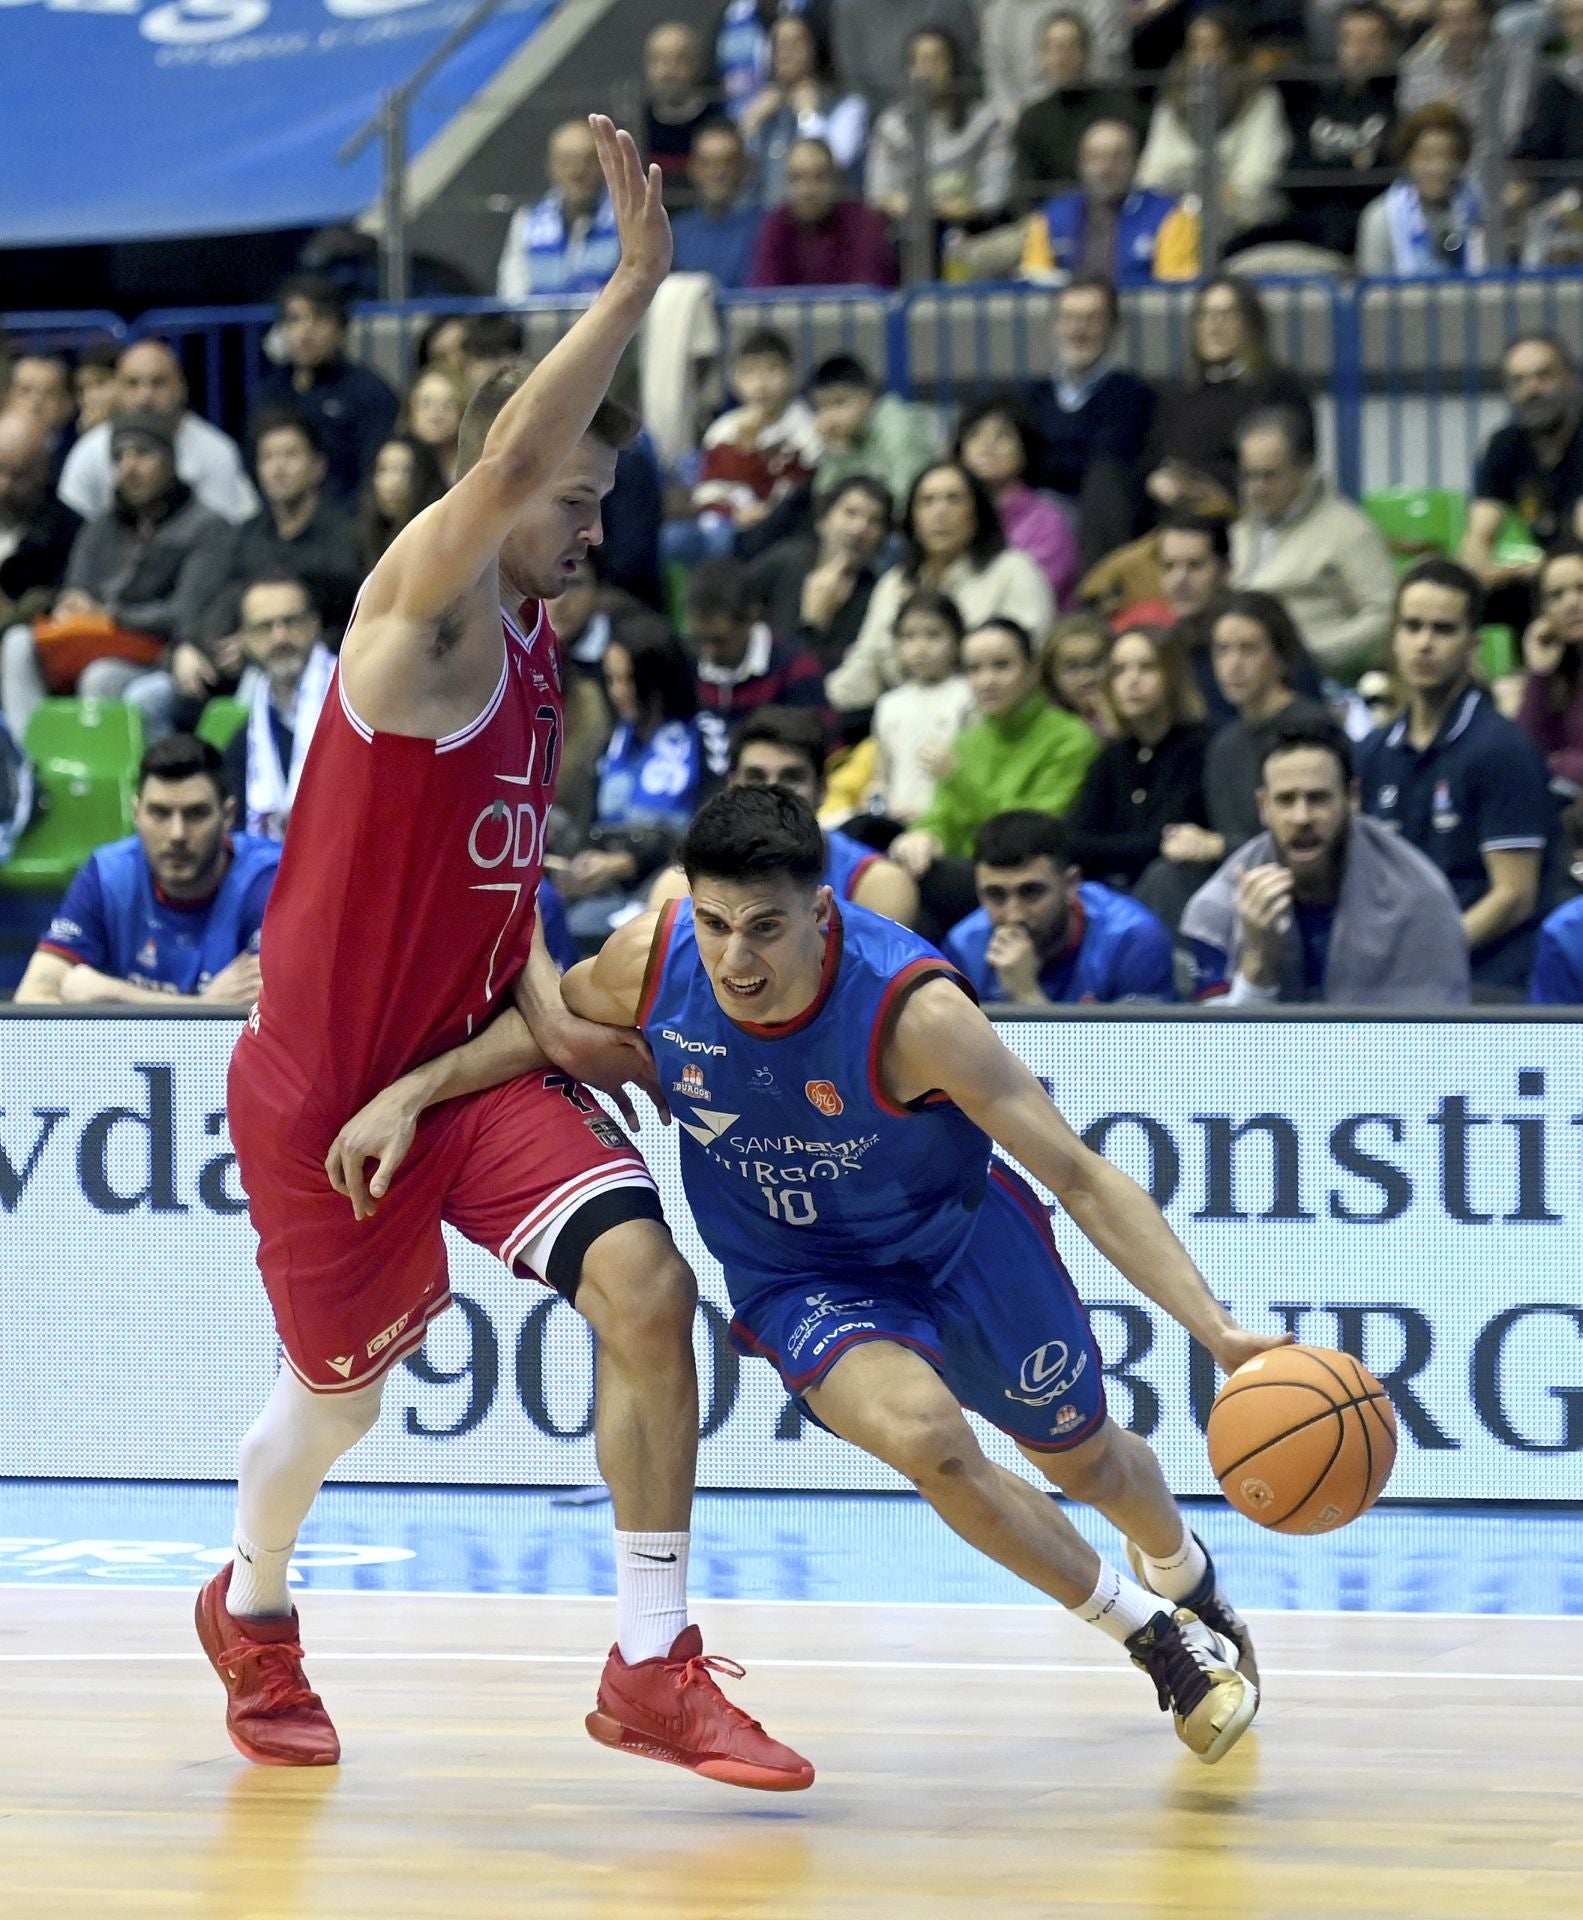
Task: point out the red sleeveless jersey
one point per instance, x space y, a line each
404 906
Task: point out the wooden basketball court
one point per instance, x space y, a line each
994 1761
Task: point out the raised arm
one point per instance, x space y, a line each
941 1041
448 549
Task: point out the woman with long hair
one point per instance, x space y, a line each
1191 458
1252 139
967 154
992 442
405 478
954 542
1551 713
1430 220
801 101
1151 776
436 401
650 778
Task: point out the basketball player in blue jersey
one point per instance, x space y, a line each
838 1093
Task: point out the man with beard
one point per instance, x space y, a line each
1324 905
290 669
1043 936
169 917
1532 468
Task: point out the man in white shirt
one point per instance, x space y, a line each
149 380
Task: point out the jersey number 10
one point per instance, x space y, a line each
791 1205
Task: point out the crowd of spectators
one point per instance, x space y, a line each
1103 684
1046 139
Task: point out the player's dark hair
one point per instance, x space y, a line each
796 729
613 424
765 343
1437 571
754 833
1013 839
720 589
1318 735
286 420
182 756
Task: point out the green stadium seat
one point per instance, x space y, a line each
1418 520
85 755
221 721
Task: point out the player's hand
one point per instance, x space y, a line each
383 1132
915 852
641 220
1236 1346
608 1059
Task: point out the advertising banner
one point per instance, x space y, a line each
1408 1191
133 119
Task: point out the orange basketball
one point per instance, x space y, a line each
1302 1439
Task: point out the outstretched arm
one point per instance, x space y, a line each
609 987
942 1041
445 551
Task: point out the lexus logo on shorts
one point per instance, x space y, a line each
1045 1375
824 1096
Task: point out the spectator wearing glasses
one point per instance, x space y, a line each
289 669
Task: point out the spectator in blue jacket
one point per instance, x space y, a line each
1042 936
169 917
719 232
1108 225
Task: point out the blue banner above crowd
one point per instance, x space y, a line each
125 120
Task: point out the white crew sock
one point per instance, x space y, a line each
1177 1573
1117 1606
651 1592
258 1579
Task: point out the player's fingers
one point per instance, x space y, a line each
332 1166
356 1190
626 1109
395 1152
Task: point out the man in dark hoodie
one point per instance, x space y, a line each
148 567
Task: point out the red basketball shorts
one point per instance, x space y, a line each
511 1169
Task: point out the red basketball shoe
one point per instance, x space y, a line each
669 1708
272 1715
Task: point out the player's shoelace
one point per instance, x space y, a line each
700 1671
282 1685
1179 1679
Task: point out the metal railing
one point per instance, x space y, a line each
1404 372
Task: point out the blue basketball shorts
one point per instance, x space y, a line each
1005 1330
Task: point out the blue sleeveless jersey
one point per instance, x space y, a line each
847 860
795 1160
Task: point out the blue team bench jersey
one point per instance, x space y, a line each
795 1160
115 919
846 862
1122 953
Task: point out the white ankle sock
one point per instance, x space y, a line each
1177 1573
258 1579
651 1592
1117 1606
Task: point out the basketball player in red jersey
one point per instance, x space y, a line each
402 922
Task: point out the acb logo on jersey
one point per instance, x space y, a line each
824 1096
